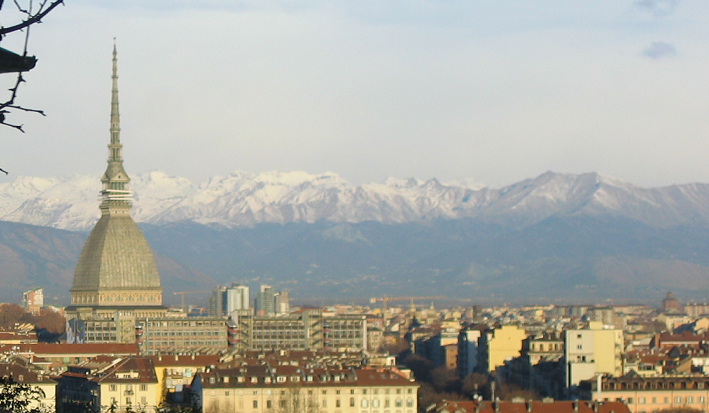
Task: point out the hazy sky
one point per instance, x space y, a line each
497 91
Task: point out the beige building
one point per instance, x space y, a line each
264 389
651 394
590 351
495 346
181 333
306 329
126 383
29 374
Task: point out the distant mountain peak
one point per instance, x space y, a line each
245 198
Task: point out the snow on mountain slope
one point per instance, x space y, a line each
243 198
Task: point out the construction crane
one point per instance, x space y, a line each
182 293
385 300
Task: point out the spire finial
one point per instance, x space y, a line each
115 191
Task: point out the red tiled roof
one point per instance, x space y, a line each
93 348
525 407
169 360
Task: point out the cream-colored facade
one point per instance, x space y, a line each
307 391
651 394
591 351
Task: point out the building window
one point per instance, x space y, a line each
112 387
268 404
630 400
337 403
255 404
352 402
324 403
397 403
678 399
143 387
375 403
409 402
641 400
365 403
690 399
702 399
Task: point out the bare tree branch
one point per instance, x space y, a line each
32 19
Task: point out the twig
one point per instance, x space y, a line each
32 20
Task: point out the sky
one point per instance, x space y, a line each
488 90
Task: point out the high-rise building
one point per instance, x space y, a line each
237 298
116 280
226 300
265 301
282 304
33 300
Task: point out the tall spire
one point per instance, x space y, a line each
115 194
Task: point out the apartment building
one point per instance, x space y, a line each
306 329
126 383
651 394
497 345
590 351
292 388
176 333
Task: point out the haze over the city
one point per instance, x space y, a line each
494 91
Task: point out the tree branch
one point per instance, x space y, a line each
32 20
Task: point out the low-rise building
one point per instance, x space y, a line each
103 383
290 388
527 406
651 394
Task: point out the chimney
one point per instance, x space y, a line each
529 406
575 404
496 405
595 407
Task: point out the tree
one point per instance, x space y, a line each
19 397
13 313
295 399
27 13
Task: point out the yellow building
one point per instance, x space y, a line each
174 372
495 346
592 350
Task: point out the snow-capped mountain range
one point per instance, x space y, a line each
244 199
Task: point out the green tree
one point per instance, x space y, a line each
19 397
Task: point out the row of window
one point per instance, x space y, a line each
173 343
186 333
666 400
128 387
184 323
338 403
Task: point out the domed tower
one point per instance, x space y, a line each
116 271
